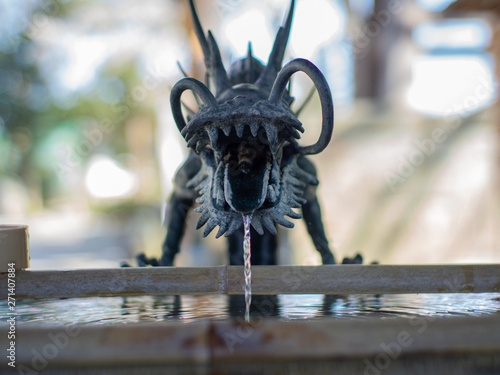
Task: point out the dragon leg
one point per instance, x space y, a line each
179 204
176 226
311 212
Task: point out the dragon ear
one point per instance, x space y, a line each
278 52
175 98
325 97
211 54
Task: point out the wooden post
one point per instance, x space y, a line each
14 247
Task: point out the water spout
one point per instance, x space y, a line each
247 220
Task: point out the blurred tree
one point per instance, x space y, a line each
41 137
22 98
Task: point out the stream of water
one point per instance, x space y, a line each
247 220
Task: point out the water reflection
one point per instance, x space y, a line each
260 306
118 310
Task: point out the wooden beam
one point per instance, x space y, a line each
368 279
118 282
336 279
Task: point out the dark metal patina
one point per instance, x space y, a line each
244 155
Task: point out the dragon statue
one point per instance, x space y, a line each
244 156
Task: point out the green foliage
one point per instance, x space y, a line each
38 135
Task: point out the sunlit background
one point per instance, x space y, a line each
89 149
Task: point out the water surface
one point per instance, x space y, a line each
119 310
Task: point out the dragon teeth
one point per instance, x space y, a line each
254 128
240 128
227 130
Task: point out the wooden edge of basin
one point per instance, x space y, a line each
213 342
334 279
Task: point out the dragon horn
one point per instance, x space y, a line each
211 53
200 34
278 52
216 67
325 97
249 62
175 98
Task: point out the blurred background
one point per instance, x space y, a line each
89 149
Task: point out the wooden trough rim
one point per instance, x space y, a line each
331 279
209 342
